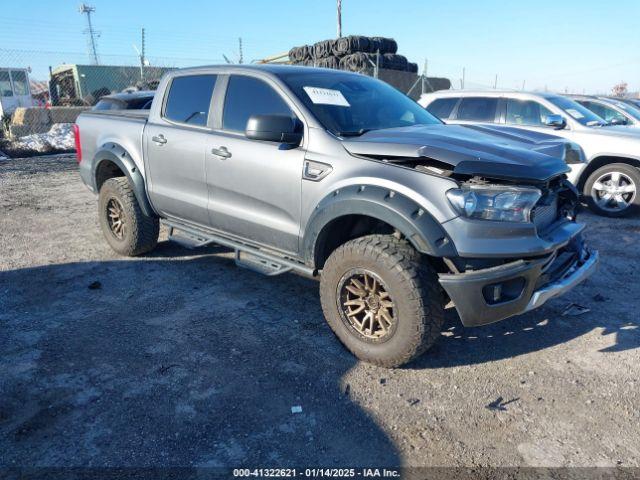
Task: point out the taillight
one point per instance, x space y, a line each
76 137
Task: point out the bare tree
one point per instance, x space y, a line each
619 90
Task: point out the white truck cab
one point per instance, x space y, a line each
14 90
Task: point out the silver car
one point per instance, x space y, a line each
611 110
609 180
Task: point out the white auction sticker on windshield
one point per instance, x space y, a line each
326 96
574 113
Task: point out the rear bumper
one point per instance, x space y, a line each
492 294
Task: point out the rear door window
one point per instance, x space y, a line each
478 109
247 96
526 112
442 107
189 99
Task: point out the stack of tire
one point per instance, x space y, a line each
355 53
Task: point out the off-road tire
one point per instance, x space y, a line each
141 231
412 285
625 169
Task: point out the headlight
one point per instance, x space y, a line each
494 202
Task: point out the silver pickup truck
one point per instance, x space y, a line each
337 174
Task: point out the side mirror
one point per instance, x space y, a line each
274 128
556 121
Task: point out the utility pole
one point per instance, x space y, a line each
424 76
463 75
93 35
523 83
495 82
339 18
142 57
240 50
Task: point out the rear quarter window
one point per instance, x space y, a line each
442 107
478 109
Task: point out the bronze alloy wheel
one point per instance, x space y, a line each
116 218
366 306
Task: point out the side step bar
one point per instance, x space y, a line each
246 256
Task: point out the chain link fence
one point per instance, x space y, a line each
43 92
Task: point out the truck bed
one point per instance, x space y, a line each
98 128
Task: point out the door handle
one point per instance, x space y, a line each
221 152
160 140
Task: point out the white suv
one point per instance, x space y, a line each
611 178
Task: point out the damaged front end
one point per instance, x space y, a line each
517 240
490 294
509 267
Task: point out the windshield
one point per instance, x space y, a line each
350 105
577 112
628 109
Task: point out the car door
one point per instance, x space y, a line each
175 147
254 186
527 113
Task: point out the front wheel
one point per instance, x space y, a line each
124 225
382 299
612 190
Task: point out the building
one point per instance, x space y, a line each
86 84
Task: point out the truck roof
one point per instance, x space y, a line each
275 69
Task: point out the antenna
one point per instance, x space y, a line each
90 32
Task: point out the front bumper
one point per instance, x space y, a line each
492 294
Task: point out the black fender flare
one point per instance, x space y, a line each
401 212
112 152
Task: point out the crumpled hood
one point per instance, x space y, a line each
491 151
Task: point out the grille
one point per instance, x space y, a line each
545 215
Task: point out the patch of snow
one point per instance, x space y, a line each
59 137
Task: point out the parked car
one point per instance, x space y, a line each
609 181
634 102
323 171
139 100
614 112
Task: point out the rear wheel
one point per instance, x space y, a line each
125 227
382 300
612 190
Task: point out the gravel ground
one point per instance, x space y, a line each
180 358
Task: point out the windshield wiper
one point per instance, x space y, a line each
355 133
